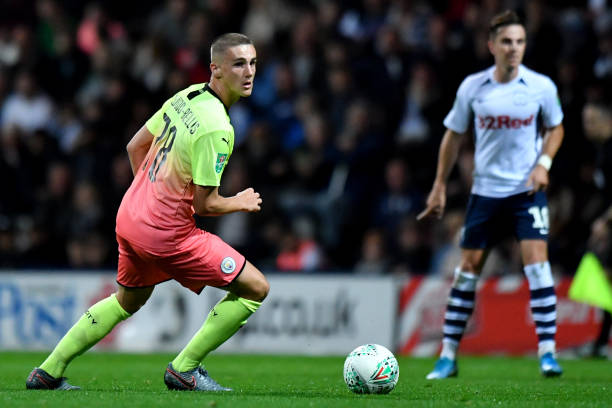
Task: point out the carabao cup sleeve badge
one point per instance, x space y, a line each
228 265
221 159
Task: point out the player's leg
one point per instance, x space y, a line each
92 327
137 277
530 212
458 310
206 260
481 230
250 284
543 302
244 297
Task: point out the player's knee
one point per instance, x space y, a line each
469 266
131 306
260 290
132 300
534 259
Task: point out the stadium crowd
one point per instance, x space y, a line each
340 136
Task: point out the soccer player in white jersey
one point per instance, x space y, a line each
518 129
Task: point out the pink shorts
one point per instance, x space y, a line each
203 259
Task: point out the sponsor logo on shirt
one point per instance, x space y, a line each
503 122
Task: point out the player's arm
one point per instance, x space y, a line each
138 147
553 137
447 157
208 202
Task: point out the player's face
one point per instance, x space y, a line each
238 69
508 46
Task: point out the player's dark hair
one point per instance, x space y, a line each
225 41
503 19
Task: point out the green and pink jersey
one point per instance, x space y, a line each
193 141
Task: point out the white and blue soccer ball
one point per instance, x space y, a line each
371 369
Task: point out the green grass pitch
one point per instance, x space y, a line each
135 380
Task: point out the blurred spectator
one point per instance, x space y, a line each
150 65
17 196
169 22
339 94
9 51
28 107
603 64
399 198
299 251
97 28
51 20
362 22
54 212
90 251
282 112
304 49
65 68
265 17
411 254
102 67
192 57
420 97
374 259
119 180
67 128
87 214
267 166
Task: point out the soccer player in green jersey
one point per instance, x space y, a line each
177 159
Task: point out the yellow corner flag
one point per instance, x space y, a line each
590 284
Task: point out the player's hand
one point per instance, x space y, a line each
251 201
435 204
538 179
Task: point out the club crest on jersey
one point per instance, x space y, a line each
228 265
520 98
221 159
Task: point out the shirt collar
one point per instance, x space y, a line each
520 78
207 88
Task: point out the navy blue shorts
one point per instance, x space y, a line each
490 220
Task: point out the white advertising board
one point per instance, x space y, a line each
36 309
303 314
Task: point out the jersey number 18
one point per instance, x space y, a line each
167 137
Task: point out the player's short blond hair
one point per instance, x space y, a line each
225 41
503 19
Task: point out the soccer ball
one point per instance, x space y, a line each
371 369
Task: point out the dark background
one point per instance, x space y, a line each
340 136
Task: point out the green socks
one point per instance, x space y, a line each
222 322
230 314
96 323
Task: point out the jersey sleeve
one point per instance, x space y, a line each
552 114
210 153
459 117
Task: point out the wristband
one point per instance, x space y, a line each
545 161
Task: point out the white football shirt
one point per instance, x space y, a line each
507 119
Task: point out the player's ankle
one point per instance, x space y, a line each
449 350
547 347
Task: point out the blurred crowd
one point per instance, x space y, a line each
340 136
